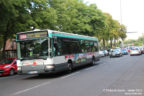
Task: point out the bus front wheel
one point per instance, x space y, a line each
93 61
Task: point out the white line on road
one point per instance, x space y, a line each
91 68
34 87
28 89
65 76
88 69
69 75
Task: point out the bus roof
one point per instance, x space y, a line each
71 35
53 33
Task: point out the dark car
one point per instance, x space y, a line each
8 66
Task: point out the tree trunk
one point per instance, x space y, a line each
4 44
103 43
5 37
115 42
111 43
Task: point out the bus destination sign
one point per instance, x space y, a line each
33 35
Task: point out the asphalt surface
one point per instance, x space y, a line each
122 76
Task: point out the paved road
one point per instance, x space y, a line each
122 76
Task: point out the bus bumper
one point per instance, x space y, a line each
36 69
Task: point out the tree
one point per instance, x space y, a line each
16 16
8 18
64 15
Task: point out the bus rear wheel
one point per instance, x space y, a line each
70 67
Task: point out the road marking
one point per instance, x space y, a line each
90 68
87 69
69 75
76 73
65 76
34 87
28 89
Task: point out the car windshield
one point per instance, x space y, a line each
116 50
34 48
6 61
135 49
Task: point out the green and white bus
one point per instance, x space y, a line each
49 51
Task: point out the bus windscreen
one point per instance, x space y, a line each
34 48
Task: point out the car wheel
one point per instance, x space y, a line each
11 72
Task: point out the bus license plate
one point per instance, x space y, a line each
33 72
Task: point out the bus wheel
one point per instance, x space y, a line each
93 61
69 66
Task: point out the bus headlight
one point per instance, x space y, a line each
50 67
19 68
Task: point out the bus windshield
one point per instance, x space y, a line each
34 49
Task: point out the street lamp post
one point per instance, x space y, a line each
120 11
121 45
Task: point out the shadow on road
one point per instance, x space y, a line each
59 74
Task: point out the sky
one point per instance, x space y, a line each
131 14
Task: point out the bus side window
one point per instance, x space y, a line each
57 47
44 48
93 47
88 47
76 47
70 46
96 46
83 46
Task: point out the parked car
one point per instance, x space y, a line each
135 51
128 50
141 49
115 53
106 53
8 66
124 51
101 53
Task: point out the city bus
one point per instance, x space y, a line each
49 51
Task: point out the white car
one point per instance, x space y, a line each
106 53
135 51
101 53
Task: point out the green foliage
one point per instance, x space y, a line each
64 15
138 42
